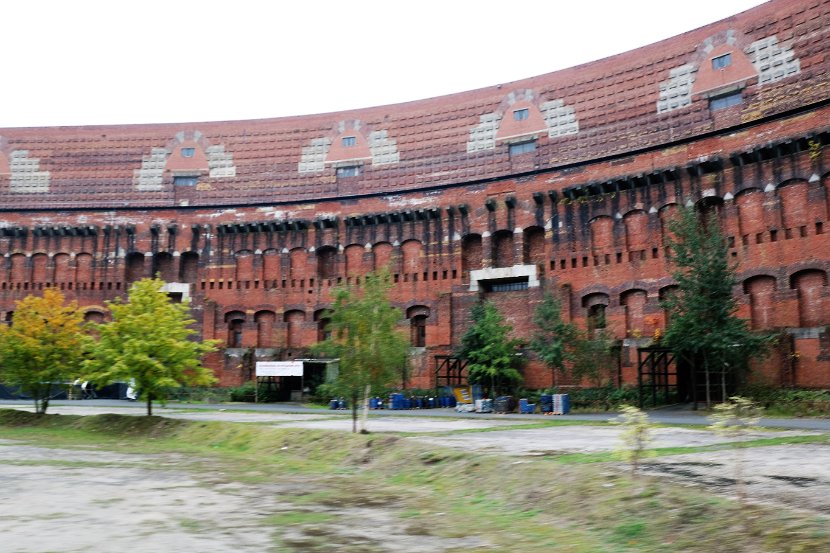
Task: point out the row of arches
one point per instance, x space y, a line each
293 328
764 294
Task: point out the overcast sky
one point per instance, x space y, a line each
85 62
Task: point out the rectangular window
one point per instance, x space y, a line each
185 181
722 62
512 285
348 171
727 101
522 148
188 152
349 141
521 114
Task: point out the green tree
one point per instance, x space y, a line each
593 357
45 344
554 340
635 436
704 328
366 340
149 342
736 419
490 352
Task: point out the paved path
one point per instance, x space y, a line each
663 416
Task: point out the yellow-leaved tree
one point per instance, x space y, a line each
44 346
149 342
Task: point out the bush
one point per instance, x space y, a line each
797 402
604 398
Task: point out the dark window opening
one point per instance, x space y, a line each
722 62
418 331
726 101
506 285
596 317
522 148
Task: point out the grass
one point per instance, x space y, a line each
576 504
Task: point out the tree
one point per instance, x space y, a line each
366 339
149 342
554 339
44 345
703 326
593 357
735 419
490 352
636 435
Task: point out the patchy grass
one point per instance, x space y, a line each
565 503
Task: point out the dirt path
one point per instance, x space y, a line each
83 500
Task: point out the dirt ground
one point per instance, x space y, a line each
90 500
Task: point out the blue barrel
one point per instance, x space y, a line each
546 403
396 402
342 404
431 403
451 401
373 403
333 404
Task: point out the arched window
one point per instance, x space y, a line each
235 321
595 306
323 321
418 315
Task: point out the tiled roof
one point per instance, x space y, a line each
639 99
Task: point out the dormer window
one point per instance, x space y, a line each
521 114
725 101
185 181
349 141
519 148
188 152
722 62
348 171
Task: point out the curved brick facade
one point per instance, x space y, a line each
562 181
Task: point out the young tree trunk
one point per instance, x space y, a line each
708 386
149 405
365 416
354 413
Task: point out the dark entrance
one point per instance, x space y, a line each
450 371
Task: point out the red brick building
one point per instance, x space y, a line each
558 182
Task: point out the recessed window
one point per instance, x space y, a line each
348 171
722 62
522 148
726 101
521 114
188 152
185 181
506 285
349 141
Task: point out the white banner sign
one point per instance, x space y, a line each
279 368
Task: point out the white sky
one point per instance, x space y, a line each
84 62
